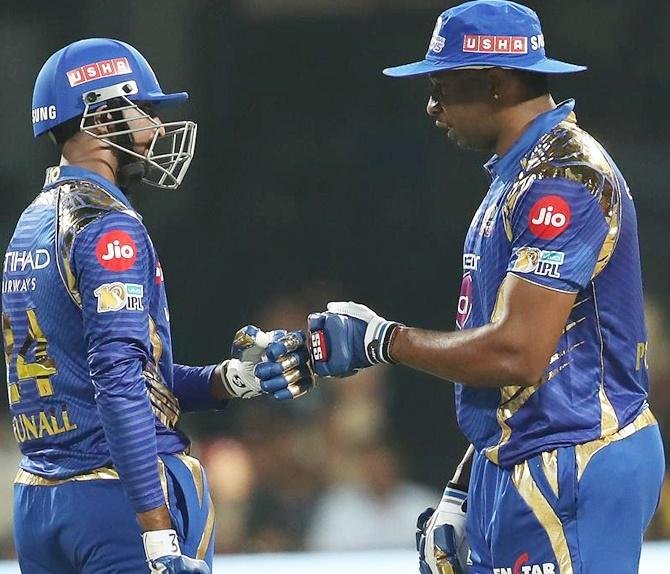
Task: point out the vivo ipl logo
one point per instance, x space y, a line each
116 251
549 217
464 302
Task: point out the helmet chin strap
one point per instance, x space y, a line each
129 173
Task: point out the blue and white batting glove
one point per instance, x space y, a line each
440 539
348 337
164 556
285 372
247 350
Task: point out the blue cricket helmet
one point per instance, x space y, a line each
88 65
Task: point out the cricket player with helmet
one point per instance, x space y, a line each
549 352
106 484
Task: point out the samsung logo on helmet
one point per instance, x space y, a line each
44 113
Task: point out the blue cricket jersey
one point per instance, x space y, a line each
558 214
91 380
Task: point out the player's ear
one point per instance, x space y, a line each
497 80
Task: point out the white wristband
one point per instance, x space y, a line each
158 543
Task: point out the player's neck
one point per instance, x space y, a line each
96 158
515 120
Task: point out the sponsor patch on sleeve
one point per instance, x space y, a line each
117 296
116 251
539 262
549 217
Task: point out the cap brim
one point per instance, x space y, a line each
167 99
425 67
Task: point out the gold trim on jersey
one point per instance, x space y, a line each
500 302
609 422
156 343
564 352
206 537
569 152
548 519
80 202
195 468
513 397
164 403
30 479
578 303
162 476
550 467
585 452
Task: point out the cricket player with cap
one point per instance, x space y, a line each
549 352
106 484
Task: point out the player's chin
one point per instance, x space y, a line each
467 143
460 141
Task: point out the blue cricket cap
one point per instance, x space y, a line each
486 33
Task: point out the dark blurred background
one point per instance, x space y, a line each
317 178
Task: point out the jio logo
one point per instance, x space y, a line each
116 251
464 302
549 217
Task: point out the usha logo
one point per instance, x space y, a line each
481 44
521 566
96 70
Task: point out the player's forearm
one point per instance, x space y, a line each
199 388
155 519
489 356
128 423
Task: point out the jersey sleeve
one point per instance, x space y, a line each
192 388
558 229
113 264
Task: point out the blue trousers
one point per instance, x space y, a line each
575 510
87 526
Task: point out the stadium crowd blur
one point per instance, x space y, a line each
317 179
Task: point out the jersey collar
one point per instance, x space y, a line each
507 166
60 173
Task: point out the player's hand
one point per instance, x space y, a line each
247 350
440 539
285 372
348 337
164 556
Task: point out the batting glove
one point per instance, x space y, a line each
285 372
164 556
440 539
247 350
348 337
